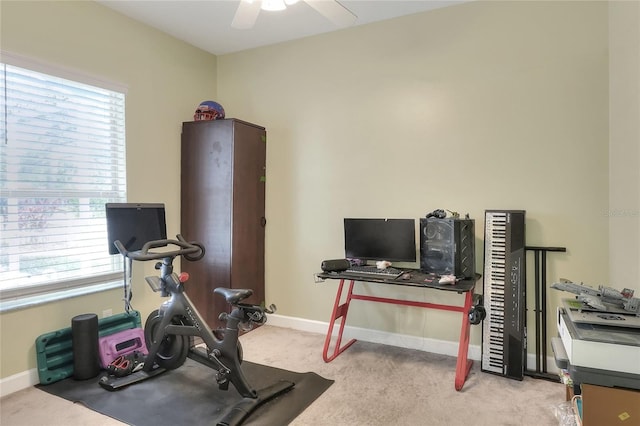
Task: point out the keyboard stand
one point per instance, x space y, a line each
466 287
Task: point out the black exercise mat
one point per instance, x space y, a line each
189 395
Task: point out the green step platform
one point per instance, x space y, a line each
54 350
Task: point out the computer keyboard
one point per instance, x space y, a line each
373 271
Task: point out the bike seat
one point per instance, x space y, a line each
233 295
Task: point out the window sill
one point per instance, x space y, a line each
17 303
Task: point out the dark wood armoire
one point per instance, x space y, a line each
222 206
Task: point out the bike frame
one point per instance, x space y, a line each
222 352
179 317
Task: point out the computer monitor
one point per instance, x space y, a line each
380 239
134 224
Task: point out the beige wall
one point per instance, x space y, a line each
166 79
486 105
624 146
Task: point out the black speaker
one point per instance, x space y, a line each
84 339
447 246
336 265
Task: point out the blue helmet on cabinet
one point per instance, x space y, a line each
209 110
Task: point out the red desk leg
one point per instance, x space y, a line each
339 311
464 364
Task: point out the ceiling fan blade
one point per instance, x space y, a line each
246 14
333 11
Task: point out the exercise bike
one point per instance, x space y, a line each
170 331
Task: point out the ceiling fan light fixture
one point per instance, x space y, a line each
273 5
248 10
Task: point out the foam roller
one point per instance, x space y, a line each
84 337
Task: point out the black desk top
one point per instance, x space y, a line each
412 278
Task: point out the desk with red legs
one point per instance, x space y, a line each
416 279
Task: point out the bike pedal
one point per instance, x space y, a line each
223 384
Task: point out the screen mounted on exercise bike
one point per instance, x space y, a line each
134 224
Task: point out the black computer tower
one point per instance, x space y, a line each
447 246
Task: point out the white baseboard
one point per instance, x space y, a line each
442 347
29 378
17 382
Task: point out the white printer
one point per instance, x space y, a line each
598 347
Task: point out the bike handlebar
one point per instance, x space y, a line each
189 250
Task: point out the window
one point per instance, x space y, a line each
62 157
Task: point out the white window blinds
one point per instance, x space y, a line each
62 157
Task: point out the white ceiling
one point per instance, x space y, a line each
207 23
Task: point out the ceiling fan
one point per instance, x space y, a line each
248 10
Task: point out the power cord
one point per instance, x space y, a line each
128 294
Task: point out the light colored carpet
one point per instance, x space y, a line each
374 385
